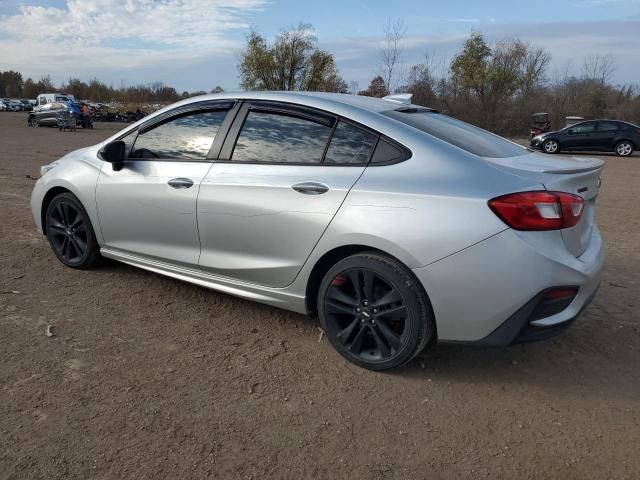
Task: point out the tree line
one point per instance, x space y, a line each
12 85
495 85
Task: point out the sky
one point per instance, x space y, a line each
196 44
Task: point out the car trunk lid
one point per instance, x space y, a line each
576 175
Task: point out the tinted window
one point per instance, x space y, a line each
463 135
188 137
280 138
608 126
386 153
586 127
350 145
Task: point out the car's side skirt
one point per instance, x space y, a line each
277 297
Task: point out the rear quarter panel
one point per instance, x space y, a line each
425 208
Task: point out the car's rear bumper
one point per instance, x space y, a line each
486 293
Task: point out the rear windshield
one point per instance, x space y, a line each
463 135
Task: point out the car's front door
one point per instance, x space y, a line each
580 136
148 207
281 176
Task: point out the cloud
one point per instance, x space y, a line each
103 34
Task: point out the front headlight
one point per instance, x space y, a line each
45 168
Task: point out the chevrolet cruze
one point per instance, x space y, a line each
399 226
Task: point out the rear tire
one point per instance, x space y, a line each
551 146
624 148
70 232
374 311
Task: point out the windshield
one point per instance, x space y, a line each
463 135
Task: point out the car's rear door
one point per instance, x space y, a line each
148 208
604 135
279 179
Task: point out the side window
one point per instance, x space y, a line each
608 126
587 127
188 137
275 137
350 145
386 153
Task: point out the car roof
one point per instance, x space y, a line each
360 102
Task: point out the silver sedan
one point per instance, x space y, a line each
397 225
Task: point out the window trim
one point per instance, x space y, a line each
308 113
278 108
230 129
231 106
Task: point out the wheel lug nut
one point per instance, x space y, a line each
375 310
365 303
362 320
358 309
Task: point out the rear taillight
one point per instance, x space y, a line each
540 210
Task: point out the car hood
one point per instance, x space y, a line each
547 134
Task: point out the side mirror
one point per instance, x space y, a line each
115 154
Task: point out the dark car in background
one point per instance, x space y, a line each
48 114
592 135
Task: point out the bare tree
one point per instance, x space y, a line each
394 32
599 68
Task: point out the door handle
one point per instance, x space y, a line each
310 188
180 183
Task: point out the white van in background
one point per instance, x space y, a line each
45 98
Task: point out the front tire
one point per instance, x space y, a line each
624 148
374 312
551 146
70 232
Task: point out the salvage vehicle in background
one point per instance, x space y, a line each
593 135
401 227
47 115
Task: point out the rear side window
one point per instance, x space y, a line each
350 145
387 153
463 135
188 137
276 137
608 126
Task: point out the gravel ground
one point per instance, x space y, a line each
148 377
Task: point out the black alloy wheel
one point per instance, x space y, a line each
70 233
374 312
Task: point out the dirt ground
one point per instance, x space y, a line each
148 377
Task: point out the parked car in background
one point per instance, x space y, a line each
47 115
12 105
27 105
398 225
592 135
